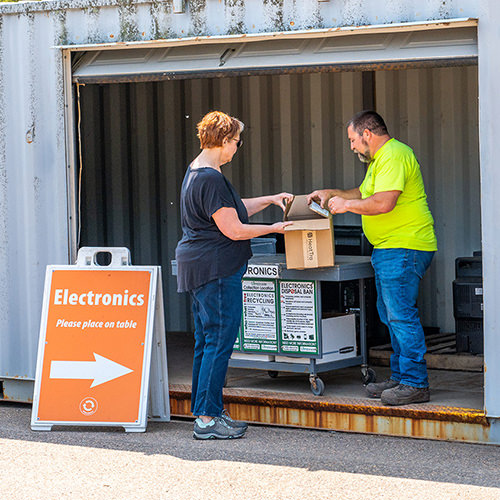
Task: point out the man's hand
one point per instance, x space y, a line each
337 205
320 196
377 204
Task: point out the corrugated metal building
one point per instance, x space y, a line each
140 74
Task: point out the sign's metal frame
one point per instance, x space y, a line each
154 379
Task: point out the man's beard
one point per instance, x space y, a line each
364 158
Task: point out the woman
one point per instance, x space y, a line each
211 259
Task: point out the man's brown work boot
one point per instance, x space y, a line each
405 395
375 389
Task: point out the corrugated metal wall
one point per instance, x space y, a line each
436 112
33 206
138 138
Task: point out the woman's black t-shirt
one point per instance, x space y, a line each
204 253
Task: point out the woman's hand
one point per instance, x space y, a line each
279 227
255 205
281 199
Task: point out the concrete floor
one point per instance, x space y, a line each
448 388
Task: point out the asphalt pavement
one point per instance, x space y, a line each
269 463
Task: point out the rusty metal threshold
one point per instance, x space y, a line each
347 415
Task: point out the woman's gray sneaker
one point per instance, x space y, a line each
375 390
218 428
237 424
405 395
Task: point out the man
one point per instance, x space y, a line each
397 221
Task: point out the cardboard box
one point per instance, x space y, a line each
309 240
338 340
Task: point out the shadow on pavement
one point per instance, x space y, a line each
458 463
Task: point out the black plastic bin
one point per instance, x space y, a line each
467 299
468 304
470 336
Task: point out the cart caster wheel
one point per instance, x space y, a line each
368 376
317 386
272 373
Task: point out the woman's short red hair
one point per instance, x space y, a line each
215 127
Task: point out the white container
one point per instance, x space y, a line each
252 356
338 341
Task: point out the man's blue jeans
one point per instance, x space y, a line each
217 308
398 272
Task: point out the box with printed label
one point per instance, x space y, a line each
309 240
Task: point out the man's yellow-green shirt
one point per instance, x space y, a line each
410 224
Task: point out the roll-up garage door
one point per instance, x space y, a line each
397 46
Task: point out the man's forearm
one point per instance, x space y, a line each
368 206
379 203
349 194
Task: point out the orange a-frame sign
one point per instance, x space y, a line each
95 347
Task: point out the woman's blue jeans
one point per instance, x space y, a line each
217 308
398 272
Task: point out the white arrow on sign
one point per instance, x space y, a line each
101 370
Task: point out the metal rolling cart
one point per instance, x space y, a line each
266 271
